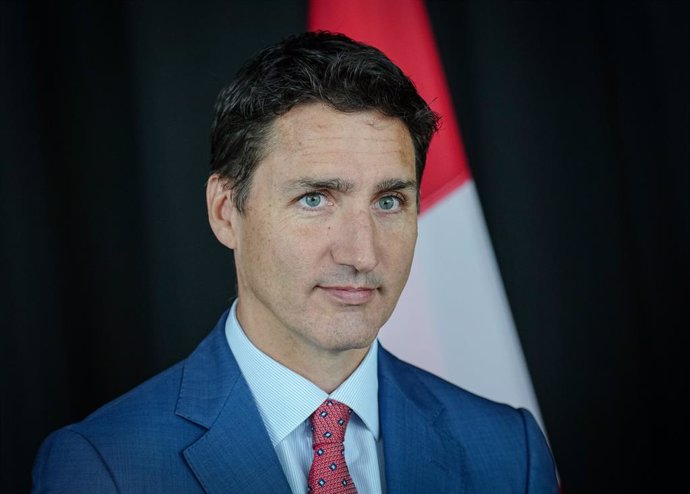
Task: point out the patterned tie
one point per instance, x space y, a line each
329 473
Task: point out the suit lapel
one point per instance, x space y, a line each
419 456
235 454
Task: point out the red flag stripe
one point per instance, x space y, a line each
402 30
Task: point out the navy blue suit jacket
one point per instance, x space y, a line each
195 427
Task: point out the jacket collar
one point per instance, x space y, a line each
235 454
420 454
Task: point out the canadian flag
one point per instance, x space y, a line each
453 317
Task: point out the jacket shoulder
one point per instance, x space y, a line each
68 462
425 386
150 400
493 435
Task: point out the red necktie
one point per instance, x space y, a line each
329 473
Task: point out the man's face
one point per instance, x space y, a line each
325 243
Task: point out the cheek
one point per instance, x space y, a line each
259 251
295 249
401 239
400 247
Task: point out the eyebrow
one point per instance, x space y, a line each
336 184
396 184
344 186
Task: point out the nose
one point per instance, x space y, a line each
355 242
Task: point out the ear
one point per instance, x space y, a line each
222 213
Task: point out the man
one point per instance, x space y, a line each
318 148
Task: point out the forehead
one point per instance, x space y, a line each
317 137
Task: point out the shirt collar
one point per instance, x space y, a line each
285 399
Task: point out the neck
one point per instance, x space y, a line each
327 368
327 371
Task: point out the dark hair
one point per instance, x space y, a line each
310 67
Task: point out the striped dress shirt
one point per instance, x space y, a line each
286 400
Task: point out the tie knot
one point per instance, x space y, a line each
329 421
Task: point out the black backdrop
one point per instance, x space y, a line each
575 119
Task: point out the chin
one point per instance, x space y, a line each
345 346
352 337
341 329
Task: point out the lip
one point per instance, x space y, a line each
350 295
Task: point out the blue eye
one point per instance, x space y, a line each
389 202
311 200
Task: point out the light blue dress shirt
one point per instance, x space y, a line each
286 400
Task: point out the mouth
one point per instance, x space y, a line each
349 295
